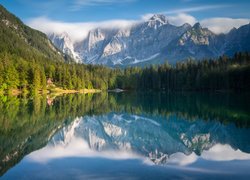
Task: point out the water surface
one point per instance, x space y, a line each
126 136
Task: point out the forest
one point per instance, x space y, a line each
40 119
223 73
28 60
31 76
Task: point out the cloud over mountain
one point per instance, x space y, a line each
79 30
223 25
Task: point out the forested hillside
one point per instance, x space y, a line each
28 60
31 76
207 75
223 73
23 41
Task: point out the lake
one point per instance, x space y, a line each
126 136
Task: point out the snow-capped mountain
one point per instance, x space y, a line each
64 43
237 39
152 42
197 43
148 136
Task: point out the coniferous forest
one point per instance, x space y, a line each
28 60
103 98
223 73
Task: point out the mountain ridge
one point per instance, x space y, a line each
21 40
120 132
154 41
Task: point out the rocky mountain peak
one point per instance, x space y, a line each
186 26
159 17
157 21
153 41
64 35
63 42
197 26
196 36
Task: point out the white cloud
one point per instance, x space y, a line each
195 9
174 12
181 19
177 19
217 25
182 159
146 17
77 4
77 31
218 152
95 2
223 25
225 152
77 147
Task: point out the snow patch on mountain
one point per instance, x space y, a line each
64 43
151 41
146 59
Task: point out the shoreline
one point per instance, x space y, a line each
53 92
72 91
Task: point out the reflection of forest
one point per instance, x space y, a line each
191 106
28 124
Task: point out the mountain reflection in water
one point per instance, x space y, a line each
138 135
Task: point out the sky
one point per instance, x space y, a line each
77 17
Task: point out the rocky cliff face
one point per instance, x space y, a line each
195 43
150 137
237 40
64 43
18 39
152 42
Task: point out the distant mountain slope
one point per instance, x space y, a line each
65 44
130 46
150 137
23 41
152 42
196 43
237 40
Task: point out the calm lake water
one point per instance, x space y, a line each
126 136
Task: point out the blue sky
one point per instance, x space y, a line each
76 17
99 10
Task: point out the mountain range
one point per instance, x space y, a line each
149 136
27 43
152 42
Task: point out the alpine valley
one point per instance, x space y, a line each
152 42
137 100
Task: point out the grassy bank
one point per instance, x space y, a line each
54 91
58 91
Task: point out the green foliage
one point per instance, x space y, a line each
28 59
207 75
19 73
23 41
28 124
